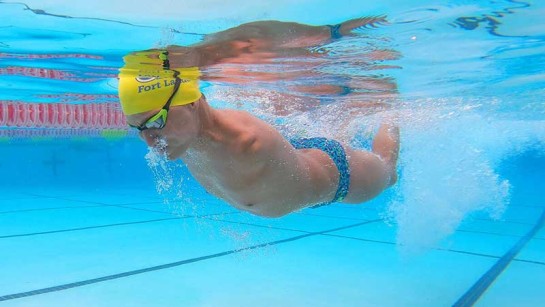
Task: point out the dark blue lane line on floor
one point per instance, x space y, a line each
167 265
477 290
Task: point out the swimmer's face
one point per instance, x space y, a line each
180 131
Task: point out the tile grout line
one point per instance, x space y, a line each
168 265
488 233
49 209
529 261
474 293
257 225
336 217
372 241
307 234
89 227
97 202
92 205
435 249
128 206
114 225
241 223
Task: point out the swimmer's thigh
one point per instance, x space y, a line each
368 176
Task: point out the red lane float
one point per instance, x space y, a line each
50 56
47 73
60 115
37 134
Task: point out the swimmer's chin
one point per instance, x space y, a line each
174 155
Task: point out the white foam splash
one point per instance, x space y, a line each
168 177
448 173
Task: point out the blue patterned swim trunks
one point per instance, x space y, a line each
336 152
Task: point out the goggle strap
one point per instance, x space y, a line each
164 57
176 86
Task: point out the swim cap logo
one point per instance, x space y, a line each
146 79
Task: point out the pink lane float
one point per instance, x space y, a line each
61 115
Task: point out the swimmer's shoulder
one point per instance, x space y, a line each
253 135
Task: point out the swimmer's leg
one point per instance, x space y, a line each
373 172
386 146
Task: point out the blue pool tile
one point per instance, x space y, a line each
23 205
533 251
478 243
484 244
521 284
7 195
69 218
378 231
180 208
106 251
358 212
307 272
540 234
499 227
520 214
298 222
99 194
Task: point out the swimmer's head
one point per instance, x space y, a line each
146 83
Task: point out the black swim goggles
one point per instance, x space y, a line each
159 120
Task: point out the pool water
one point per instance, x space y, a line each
91 217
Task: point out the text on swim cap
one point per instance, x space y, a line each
157 85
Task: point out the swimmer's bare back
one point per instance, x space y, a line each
281 38
289 34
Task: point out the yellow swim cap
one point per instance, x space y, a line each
146 83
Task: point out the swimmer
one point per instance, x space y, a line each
237 156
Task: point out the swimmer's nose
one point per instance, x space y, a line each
149 137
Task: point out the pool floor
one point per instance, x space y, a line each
127 248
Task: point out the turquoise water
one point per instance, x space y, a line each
89 217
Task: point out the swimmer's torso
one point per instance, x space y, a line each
237 168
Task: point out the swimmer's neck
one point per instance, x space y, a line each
210 132
219 131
